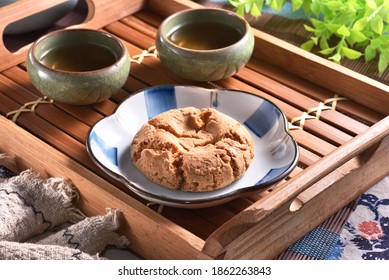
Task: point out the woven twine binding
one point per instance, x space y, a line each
317 110
28 107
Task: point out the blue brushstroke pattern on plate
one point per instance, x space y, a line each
276 152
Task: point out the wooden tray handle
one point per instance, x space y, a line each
325 186
22 9
12 13
362 146
100 13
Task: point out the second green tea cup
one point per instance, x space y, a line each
199 63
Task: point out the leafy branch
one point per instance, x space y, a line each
340 28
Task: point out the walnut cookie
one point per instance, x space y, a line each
192 150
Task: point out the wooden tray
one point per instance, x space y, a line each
338 117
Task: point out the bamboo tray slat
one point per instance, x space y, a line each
334 142
318 93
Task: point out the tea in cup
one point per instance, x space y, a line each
204 44
78 66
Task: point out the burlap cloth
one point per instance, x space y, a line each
39 220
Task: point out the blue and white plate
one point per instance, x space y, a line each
275 153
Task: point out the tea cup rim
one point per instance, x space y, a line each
44 37
230 13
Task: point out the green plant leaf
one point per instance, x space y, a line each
323 43
357 36
319 25
327 51
377 25
309 28
297 4
384 14
360 24
336 58
255 10
333 27
306 7
350 53
240 11
308 45
375 43
334 5
343 31
352 6
370 53
371 4
247 7
383 62
315 40
234 3
316 8
386 4
277 4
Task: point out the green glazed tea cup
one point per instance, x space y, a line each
78 66
205 44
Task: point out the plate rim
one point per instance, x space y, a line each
199 202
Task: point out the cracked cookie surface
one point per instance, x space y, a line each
192 150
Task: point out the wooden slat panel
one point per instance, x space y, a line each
307 140
140 25
84 114
166 9
52 135
314 91
59 118
149 17
299 100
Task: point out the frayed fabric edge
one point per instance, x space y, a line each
64 192
111 221
113 216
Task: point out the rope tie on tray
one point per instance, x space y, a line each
150 52
299 122
334 101
160 206
28 107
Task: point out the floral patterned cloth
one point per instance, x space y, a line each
366 232
363 233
